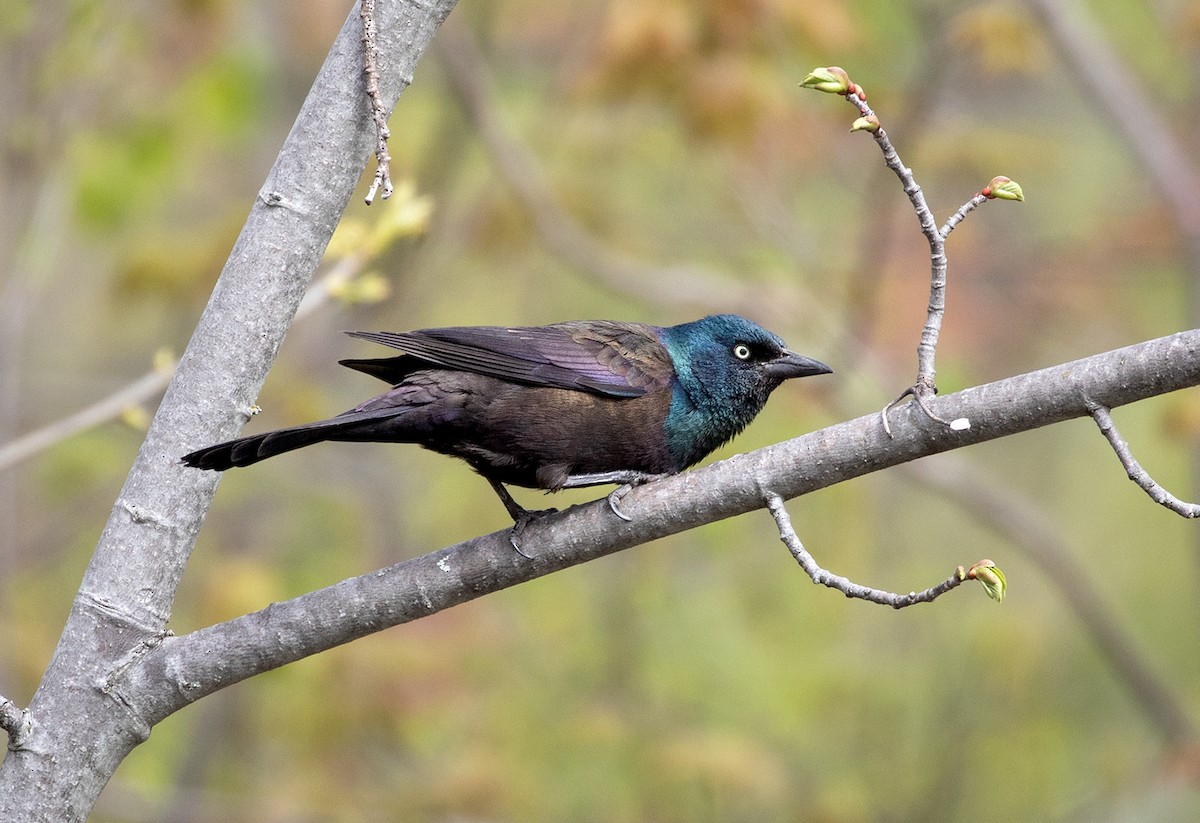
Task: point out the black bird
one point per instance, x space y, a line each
549 407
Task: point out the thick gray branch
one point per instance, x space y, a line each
182 669
80 729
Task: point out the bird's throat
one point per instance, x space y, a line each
694 430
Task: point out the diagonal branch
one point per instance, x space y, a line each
179 670
1134 469
79 733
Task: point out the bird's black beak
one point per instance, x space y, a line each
789 365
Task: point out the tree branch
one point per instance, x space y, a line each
80 733
15 721
939 264
1134 469
843 584
182 669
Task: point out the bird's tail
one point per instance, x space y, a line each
245 451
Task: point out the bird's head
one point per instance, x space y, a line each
726 368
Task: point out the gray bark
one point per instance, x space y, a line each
80 728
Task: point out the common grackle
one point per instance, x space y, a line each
549 407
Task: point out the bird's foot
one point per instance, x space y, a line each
520 521
521 516
614 497
918 393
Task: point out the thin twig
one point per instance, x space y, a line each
15 721
847 587
102 411
958 216
154 381
958 424
1134 469
925 386
383 171
927 347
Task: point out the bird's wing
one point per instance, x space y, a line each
602 357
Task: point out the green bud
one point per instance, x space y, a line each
831 79
989 574
869 123
1001 188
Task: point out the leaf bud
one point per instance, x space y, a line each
989 574
1001 188
869 123
829 79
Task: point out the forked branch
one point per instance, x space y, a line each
834 80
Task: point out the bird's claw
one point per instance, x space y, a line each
634 479
918 395
614 498
523 519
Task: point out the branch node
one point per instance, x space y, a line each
16 721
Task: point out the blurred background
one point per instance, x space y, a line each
648 160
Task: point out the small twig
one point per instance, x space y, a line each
154 381
883 415
927 347
847 587
383 172
1134 469
16 721
963 210
834 80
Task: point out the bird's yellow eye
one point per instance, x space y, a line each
741 351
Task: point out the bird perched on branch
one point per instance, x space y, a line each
550 407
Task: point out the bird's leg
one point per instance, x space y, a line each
521 516
627 479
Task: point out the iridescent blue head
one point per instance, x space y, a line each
726 367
